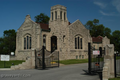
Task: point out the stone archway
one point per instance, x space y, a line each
53 43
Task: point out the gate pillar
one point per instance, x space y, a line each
33 58
109 59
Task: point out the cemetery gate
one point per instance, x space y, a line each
95 59
117 64
45 59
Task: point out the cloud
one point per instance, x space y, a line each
101 5
106 14
116 3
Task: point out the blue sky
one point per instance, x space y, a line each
13 12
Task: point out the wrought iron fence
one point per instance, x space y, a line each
95 61
46 59
117 65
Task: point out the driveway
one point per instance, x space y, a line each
69 72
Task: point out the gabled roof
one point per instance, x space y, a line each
44 27
97 39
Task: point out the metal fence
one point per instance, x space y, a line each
117 65
95 61
46 59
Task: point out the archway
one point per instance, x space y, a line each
53 43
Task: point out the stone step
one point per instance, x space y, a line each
16 67
12 67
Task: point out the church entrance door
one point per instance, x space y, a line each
53 43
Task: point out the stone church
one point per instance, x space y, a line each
70 39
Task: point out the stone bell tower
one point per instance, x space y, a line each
58 25
58 15
58 12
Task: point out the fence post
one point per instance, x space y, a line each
43 58
100 49
115 64
89 58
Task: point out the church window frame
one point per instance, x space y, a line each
78 42
56 15
27 41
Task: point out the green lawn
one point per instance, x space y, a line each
115 78
118 57
73 61
8 64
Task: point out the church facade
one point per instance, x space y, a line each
71 40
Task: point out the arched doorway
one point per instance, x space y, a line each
53 43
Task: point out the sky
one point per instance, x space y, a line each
13 12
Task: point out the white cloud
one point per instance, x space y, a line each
101 5
116 3
106 14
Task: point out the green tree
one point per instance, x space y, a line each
95 21
107 32
8 42
115 39
1 45
42 18
89 25
97 29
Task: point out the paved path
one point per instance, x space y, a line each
69 72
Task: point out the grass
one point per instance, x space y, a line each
73 61
8 64
115 78
118 57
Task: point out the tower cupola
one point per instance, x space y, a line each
58 12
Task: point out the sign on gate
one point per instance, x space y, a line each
96 52
5 57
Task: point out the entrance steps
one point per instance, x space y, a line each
24 65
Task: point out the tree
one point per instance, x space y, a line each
97 29
107 32
89 25
95 21
42 18
115 39
8 42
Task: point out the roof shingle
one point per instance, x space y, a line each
44 26
97 39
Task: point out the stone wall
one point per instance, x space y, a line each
23 54
13 58
77 28
28 28
28 64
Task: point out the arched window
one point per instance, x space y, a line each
27 42
24 42
78 42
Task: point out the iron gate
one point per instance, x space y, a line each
95 59
117 64
46 59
